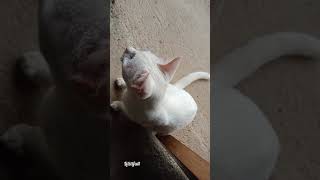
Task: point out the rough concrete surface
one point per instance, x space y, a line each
286 90
169 29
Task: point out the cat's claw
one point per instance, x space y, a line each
120 83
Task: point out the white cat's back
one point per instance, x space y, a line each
180 106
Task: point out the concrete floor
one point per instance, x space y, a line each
169 29
287 90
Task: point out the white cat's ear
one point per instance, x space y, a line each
139 85
170 68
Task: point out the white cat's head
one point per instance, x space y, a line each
145 73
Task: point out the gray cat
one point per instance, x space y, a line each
72 73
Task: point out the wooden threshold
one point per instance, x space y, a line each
199 167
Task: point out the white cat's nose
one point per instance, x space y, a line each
130 52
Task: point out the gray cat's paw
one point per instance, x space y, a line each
120 83
24 138
13 139
33 68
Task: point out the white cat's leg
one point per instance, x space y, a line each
117 106
120 83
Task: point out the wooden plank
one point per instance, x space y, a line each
197 165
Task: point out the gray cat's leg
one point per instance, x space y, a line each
28 143
33 69
23 138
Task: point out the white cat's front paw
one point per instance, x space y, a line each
120 83
116 105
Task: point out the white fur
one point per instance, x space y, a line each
185 81
120 83
245 145
162 107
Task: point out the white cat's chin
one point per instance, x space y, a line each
148 89
147 95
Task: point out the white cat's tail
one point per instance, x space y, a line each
188 79
241 62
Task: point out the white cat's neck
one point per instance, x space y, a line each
150 103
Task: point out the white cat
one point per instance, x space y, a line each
245 145
150 100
